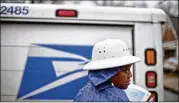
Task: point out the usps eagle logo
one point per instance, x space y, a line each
54 72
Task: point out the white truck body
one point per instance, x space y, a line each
42 55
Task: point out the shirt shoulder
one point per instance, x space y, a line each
89 94
85 94
117 93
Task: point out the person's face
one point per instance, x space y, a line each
122 78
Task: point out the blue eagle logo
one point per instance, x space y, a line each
54 72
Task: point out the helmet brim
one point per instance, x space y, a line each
110 63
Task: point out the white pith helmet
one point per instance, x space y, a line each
110 53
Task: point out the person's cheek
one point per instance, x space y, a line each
124 80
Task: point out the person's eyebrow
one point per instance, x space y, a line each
128 66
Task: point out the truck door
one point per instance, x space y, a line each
44 61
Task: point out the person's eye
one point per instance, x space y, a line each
127 70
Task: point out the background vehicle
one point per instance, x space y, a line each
44 48
171 64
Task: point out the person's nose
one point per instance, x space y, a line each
130 75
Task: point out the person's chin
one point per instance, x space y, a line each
126 86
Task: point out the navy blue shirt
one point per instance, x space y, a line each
100 89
